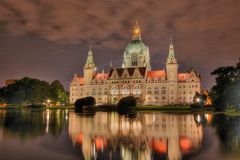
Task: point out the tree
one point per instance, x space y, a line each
87 101
226 91
58 93
29 91
127 102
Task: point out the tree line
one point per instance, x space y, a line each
29 91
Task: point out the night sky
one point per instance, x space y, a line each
49 39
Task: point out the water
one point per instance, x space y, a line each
66 135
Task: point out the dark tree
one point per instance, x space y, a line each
85 102
58 93
29 91
226 91
127 102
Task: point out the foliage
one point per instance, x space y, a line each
58 94
87 101
231 109
227 89
127 102
29 91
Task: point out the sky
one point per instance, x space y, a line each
49 39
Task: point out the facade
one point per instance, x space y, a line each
136 78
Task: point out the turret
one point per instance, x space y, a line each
171 64
172 78
89 68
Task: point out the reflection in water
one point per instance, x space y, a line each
107 135
29 123
228 129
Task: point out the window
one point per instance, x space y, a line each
155 90
125 90
114 90
163 97
163 91
137 90
99 91
149 91
93 92
105 91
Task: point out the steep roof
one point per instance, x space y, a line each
156 74
101 76
183 76
130 71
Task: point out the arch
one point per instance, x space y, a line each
114 90
125 90
149 90
137 90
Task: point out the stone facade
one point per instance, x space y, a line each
135 78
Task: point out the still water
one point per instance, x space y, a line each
66 135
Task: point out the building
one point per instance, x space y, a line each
136 78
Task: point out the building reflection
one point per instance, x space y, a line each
107 135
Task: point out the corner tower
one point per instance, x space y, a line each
89 68
172 72
136 54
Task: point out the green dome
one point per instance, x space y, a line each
135 46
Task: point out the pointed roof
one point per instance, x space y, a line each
171 53
90 61
130 71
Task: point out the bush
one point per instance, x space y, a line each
127 102
87 101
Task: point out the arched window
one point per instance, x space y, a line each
134 59
149 90
99 91
155 90
114 90
125 90
93 92
105 91
137 90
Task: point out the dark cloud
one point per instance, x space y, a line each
206 32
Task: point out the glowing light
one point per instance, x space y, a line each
185 144
159 146
100 143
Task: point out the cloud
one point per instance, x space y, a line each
202 30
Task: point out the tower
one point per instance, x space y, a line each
136 54
172 72
89 68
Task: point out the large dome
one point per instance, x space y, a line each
135 46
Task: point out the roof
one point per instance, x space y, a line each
102 76
130 71
77 79
183 76
156 74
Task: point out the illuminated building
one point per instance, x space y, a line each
136 78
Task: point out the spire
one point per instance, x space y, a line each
136 33
90 62
171 49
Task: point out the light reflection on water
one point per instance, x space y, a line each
145 136
64 134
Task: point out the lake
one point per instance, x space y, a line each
67 135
